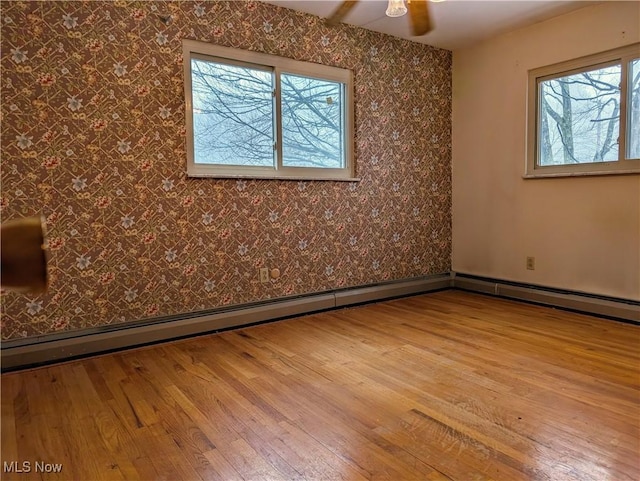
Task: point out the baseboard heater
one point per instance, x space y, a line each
57 347
622 309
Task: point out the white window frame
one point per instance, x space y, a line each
279 65
622 165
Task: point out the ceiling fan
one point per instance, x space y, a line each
418 13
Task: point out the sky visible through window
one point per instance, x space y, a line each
234 117
633 143
232 114
580 117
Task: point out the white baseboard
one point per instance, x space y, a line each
22 353
577 301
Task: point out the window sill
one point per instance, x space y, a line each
551 175
273 177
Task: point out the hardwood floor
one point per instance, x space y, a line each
443 386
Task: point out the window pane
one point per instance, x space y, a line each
633 126
232 114
312 126
580 117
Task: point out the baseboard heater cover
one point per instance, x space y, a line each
361 295
599 305
46 349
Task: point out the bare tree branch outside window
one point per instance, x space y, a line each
311 122
232 114
633 125
580 117
234 117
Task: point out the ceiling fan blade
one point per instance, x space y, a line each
344 8
420 18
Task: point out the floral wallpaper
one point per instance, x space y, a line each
93 138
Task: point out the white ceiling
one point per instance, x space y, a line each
458 23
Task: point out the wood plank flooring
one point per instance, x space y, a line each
442 386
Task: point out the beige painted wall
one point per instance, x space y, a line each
584 232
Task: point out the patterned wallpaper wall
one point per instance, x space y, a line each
93 137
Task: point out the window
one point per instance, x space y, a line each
256 115
584 116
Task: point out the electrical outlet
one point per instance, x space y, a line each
531 263
264 275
